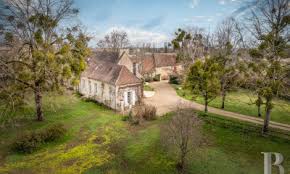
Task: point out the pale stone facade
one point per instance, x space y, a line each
109 79
166 71
116 97
99 91
162 64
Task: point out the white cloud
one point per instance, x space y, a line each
139 36
222 2
194 3
198 19
219 14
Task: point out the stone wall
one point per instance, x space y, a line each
122 101
126 61
112 96
99 91
165 72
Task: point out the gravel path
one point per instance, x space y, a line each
166 100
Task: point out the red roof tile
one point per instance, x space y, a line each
164 59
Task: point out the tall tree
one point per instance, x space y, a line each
47 57
203 79
228 40
269 23
115 40
257 72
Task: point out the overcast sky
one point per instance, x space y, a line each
152 20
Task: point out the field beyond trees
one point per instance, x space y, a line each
98 141
243 102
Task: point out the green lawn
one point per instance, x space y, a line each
148 88
241 102
99 142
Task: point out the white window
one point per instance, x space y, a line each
90 88
96 88
83 83
129 97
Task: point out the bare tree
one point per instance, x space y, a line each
229 31
115 41
228 40
191 43
183 133
268 22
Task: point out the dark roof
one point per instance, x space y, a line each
107 56
110 73
164 59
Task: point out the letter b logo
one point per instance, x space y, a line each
268 162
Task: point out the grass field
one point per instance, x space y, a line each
242 102
99 142
148 88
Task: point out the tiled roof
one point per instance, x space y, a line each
106 70
126 77
164 59
107 56
147 64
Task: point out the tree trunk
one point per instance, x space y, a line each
223 99
259 111
259 105
180 165
267 120
38 102
205 104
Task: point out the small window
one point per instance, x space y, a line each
83 83
96 88
111 90
90 88
129 97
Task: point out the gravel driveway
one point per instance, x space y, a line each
166 100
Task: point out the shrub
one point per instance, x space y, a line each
26 143
173 79
150 112
148 79
135 115
156 77
52 133
125 118
30 141
143 111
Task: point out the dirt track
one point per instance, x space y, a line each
166 100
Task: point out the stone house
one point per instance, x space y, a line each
114 78
109 79
162 64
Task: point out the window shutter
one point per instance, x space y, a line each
96 89
133 97
125 99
